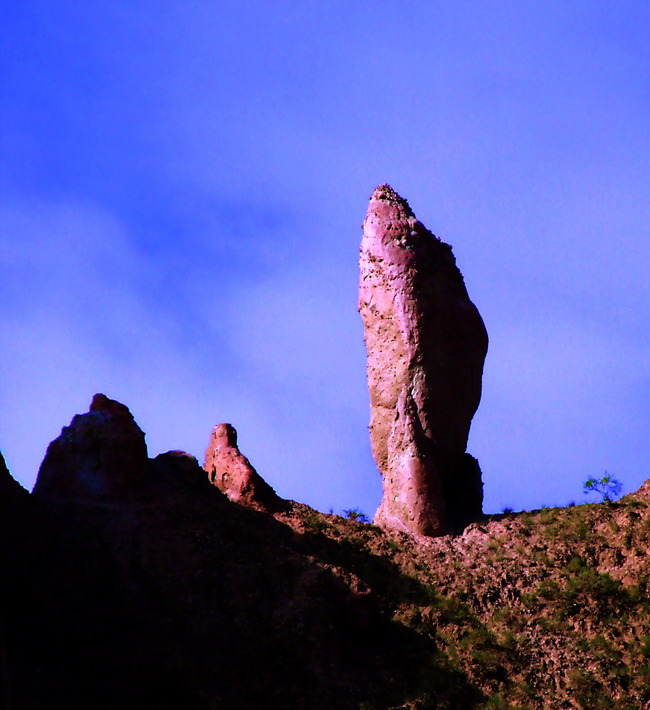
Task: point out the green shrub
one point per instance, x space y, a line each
313 522
453 611
356 514
592 591
607 487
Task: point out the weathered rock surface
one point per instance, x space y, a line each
426 346
233 474
102 456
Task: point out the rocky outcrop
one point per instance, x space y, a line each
643 493
233 474
101 456
426 346
185 467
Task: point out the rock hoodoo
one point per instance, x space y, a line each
101 456
426 346
232 472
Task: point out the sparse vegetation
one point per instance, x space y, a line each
357 515
314 522
607 487
538 589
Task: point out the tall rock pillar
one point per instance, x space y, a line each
426 346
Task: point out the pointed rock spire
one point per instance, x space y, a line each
426 345
233 474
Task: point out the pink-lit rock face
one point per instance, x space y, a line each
426 345
644 492
101 456
232 472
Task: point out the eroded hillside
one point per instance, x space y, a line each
542 609
178 597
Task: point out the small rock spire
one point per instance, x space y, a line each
233 474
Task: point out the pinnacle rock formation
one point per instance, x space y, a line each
101 456
426 345
232 472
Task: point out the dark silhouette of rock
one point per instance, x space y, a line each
10 489
101 456
20 522
30 602
426 346
185 465
233 474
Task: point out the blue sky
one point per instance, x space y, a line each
181 192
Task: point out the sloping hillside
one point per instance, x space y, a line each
182 598
542 609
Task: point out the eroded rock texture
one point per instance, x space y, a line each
232 472
426 346
102 456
